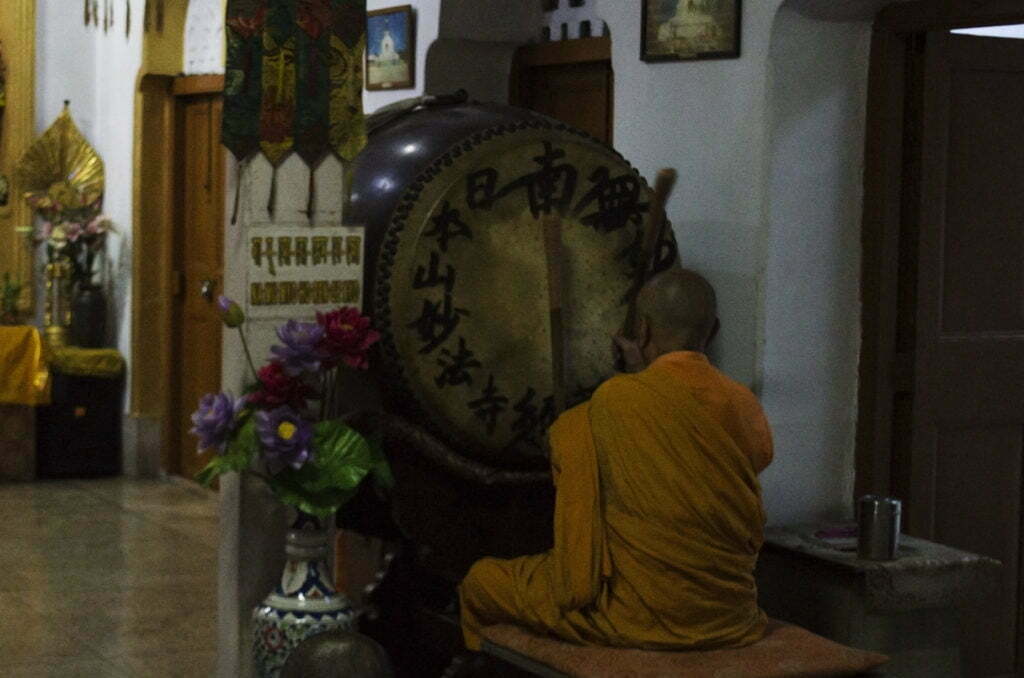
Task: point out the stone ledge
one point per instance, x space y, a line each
925 574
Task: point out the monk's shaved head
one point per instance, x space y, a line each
680 310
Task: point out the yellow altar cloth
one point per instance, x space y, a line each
24 378
103 363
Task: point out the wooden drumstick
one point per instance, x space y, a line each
655 231
553 252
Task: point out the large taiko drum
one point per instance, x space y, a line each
453 198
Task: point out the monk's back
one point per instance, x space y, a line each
678 449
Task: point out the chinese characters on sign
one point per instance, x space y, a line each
294 271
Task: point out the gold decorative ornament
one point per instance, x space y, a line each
57 311
61 169
62 175
3 92
5 186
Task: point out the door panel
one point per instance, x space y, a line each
968 413
983 275
978 478
200 262
577 94
571 81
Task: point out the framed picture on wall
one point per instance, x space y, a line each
390 49
683 30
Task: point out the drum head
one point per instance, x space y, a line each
461 291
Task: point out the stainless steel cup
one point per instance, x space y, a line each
878 527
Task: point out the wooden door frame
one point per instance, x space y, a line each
157 209
18 42
883 372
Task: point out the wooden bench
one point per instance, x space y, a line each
786 651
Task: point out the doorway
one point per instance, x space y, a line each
571 81
942 373
198 262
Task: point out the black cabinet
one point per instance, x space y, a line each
79 434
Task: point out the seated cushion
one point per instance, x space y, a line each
786 651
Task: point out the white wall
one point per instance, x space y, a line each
706 119
811 318
96 71
768 148
572 16
204 37
427 17
1015 31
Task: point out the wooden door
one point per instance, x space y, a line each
199 264
968 387
571 81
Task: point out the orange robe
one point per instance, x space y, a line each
658 519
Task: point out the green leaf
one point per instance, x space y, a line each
238 455
342 458
381 470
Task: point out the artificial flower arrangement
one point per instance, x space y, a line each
283 430
73 227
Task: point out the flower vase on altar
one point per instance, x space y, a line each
304 604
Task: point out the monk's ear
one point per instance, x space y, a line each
714 331
643 332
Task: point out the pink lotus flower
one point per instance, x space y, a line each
277 388
348 336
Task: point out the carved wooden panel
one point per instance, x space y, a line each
17 43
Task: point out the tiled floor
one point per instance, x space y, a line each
108 579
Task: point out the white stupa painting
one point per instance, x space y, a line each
388 57
387 50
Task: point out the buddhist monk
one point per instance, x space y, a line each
658 514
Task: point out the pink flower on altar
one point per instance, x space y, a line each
73 230
99 225
45 231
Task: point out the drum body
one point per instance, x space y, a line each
453 199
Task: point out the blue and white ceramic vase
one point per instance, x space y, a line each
304 604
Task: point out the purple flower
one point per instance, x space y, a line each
230 312
214 421
301 351
287 438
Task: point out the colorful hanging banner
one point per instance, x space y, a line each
294 82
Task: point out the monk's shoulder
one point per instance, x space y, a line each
615 391
735 391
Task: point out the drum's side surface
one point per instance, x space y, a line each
401 150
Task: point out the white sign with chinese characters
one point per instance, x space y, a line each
294 271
